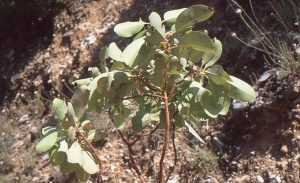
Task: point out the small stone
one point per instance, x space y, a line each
278 179
245 178
45 157
284 149
260 179
35 130
23 118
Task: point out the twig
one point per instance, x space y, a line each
175 152
94 151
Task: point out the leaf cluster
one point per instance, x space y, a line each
167 69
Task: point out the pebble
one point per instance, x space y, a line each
45 157
284 149
245 178
260 179
35 130
278 179
23 118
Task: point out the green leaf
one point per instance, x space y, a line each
217 46
89 164
218 102
196 40
190 16
197 90
125 108
96 135
139 35
114 52
193 132
60 108
155 21
119 121
215 74
63 145
95 71
180 122
79 101
240 90
195 56
67 167
81 174
70 119
74 154
171 16
96 100
57 157
104 85
140 121
103 55
124 89
128 29
133 52
48 140
80 82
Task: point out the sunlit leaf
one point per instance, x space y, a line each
74 153
196 40
128 29
114 52
60 108
217 46
191 15
48 140
71 134
155 21
215 74
170 16
89 164
104 85
240 90
80 82
192 131
70 118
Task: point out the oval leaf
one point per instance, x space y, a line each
128 29
74 153
48 141
140 120
89 164
193 14
239 90
171 16
60 108
79 101
114 52
196 40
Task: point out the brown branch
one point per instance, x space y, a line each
131 157
143 77
175 152
94 151
174 86
142 95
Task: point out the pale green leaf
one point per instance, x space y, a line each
125 108
63 145
95 100
74 154
193 132
190 16
71 134
48 140
128 29
70 118
171 16
104 85
155 21
89 164
87 125
217 46
240 90
215 74
79 101
197 90
80 82
124 88
58 157
133 52
95 71
218 102
139 35
60 108
103 55
114 52
196 40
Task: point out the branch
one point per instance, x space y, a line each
175 151
94 151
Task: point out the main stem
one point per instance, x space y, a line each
167 134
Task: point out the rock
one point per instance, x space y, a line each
284 149
45 157
266 75
278 179
245 178
217 143
260 179
35 130
23 118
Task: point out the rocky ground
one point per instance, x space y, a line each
256 142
